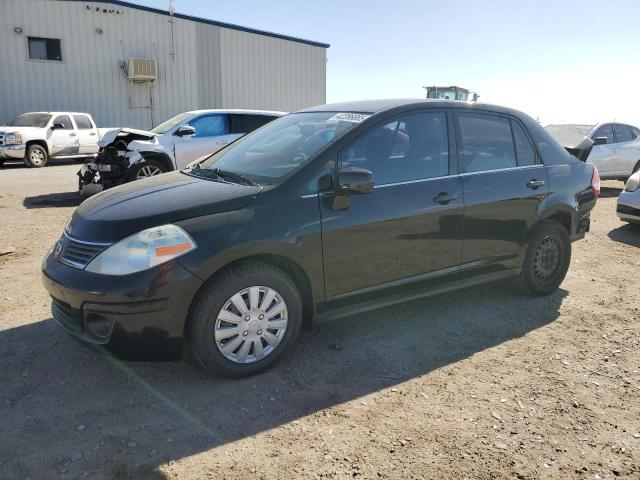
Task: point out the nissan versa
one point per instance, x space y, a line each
322 213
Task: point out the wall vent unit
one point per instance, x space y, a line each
142 70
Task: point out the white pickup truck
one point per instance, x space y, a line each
39 136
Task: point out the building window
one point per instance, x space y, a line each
45 49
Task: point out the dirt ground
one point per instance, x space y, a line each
482 383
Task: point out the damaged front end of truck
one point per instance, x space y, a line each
121 151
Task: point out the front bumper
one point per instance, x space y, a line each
628 207
135 317
12 152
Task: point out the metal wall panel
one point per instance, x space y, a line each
270 73
213 66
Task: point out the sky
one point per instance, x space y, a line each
561 61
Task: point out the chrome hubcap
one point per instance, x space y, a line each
251 324
547 258
148 171
37 156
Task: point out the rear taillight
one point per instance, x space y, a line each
595 181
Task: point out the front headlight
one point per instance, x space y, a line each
13 138
633 182
142 251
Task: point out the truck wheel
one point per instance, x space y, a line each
36 156
244 320
547 259
146 168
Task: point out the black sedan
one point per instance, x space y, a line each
322 213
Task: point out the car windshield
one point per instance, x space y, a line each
39 120
167 125
272 152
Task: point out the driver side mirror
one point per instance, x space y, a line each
355 180
351 180
57 126
185 131
600 141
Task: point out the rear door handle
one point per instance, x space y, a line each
93 134
533 184
72 134
443 198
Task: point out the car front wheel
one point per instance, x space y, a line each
244 320
547 259
146 168
36 156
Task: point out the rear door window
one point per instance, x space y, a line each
65 121
242 123
210 126
83 122
622 133
485 142
635 131
410 147
605 131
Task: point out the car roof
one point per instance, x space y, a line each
238 110
375 106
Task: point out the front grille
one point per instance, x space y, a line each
627 210
77 253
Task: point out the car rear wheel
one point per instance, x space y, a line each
145 169
244 320
36 156
547 259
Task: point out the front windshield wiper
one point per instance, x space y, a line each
219 174
233 175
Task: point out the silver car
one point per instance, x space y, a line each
616 150
128 154
628 208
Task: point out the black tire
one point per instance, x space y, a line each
542 273
149 162
1 162
36 156
201 344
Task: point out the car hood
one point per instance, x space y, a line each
23 130
573 140
126 134
171 197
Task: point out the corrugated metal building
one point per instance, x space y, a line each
74 55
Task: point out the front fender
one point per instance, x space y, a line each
259 230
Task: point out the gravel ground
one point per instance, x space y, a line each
482 383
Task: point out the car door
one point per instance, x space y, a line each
87 135
63 141
211 134
503 184
604 156
409 228
628 150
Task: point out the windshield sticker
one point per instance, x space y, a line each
349 117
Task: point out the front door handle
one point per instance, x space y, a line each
72 134
93 134
444 198
534 184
